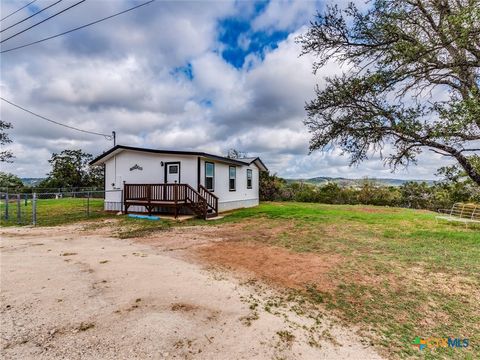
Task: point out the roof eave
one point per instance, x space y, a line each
97 160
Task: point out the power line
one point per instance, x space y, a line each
106 136
77 28
23 7
40 22
29 17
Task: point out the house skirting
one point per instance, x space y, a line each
222 206
236 204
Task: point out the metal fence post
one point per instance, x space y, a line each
88 203
6 205
34 209
19 211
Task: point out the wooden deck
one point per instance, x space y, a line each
202 202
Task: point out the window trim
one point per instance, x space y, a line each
213 176
234 179
250 171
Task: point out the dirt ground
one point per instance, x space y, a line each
72 293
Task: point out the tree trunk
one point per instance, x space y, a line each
472 172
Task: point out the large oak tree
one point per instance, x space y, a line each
411 74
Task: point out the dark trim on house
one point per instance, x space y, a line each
235 187
251 161
199 162
166 167
250 171
104 180
213 177
174 152
261 162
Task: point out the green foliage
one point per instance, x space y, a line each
400 55
5 155
71 169
269 186
10 181
412 194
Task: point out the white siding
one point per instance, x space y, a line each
241 197
117 171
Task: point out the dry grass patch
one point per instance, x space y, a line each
274 264
183 307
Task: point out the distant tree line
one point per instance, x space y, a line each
454 187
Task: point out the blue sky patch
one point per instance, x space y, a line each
207 103
186 71
240 40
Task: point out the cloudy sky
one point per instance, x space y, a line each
182 75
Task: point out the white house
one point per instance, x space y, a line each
151 180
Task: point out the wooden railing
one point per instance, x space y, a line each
212 200
198 202
151 195
155 192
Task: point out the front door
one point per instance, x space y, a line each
172 173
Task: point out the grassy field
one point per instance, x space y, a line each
399 273
402 274
51 212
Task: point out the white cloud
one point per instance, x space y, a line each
285 15
126 75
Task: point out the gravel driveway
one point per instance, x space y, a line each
67 293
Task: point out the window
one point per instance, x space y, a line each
173 169
232 178
249 178
209 175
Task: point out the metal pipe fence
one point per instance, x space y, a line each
52 208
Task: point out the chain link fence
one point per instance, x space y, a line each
51 208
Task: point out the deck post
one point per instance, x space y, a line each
149 198
125 197
175 198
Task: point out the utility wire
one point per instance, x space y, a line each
40 22
23 7
29 17
106 136
77 28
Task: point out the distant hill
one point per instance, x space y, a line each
354 182
31 181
